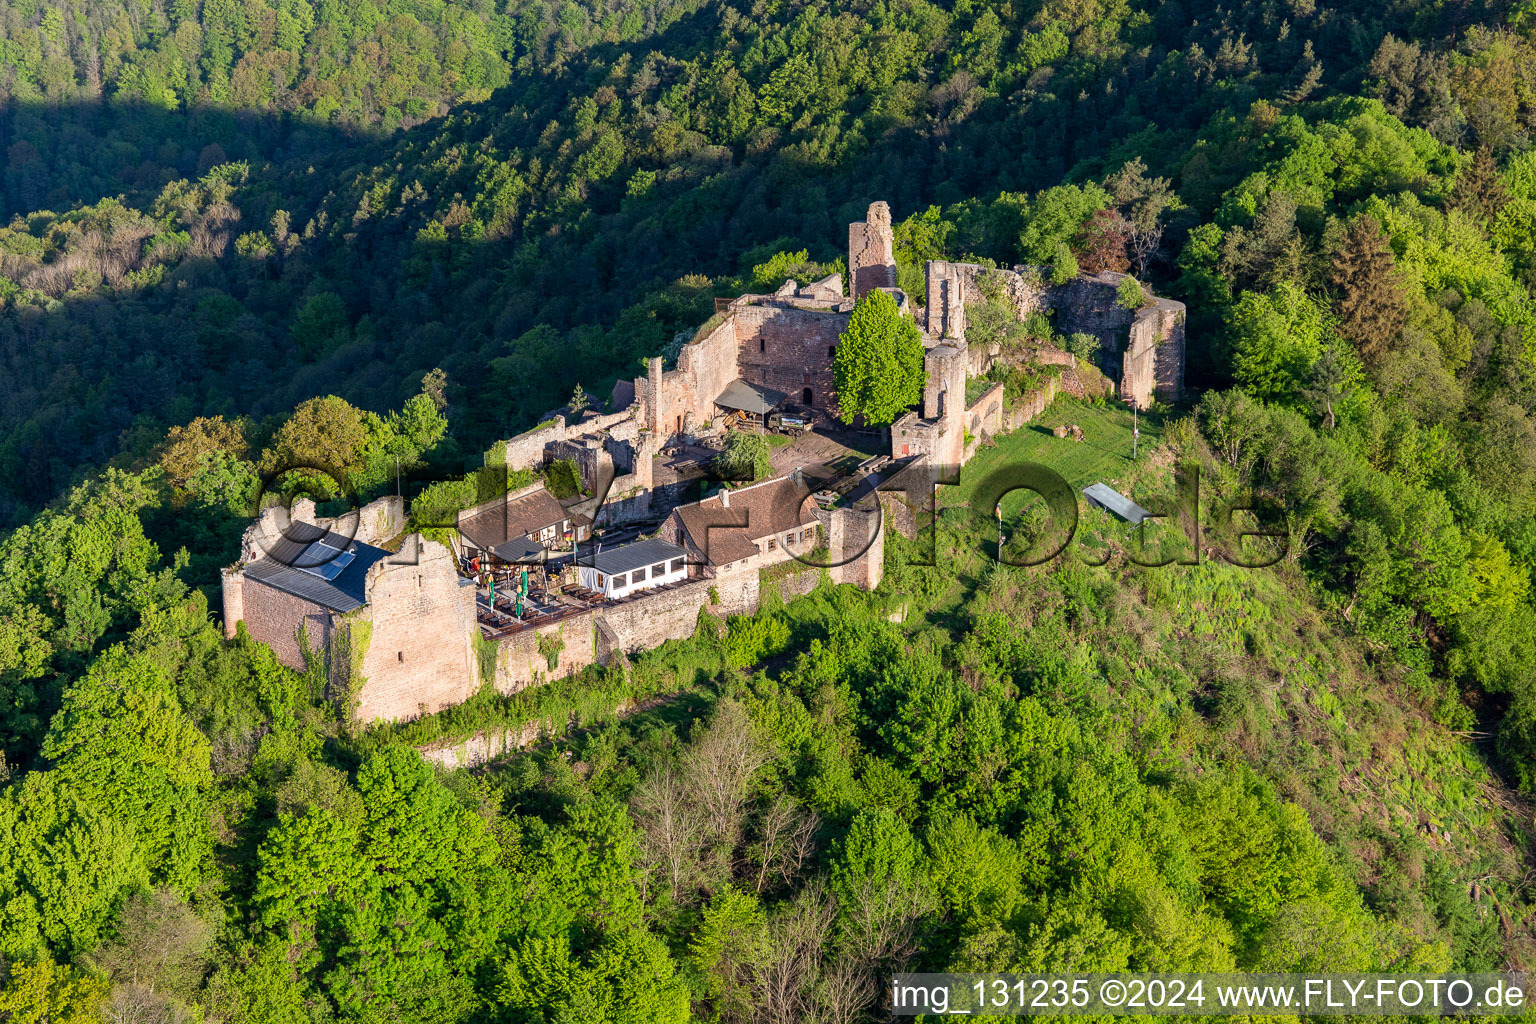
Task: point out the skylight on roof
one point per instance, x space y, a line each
325 560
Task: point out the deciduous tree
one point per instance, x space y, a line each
878 368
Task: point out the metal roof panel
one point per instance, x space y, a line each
1106 497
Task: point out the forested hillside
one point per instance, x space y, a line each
244 234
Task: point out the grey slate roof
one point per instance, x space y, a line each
509 520
283 567
1106 497
632 556
753 398
518 549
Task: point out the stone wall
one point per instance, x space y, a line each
856 538
1090 305
595 636
789 350
953 286
984 417
589 453
1137 377
233 592
871 251
420 656
682 400
739 589
940 431
627 503
907 496
1168 363
520 663
649 622
380 520
1033 404
794 583
484 747
1142 349
273 617
911 435
527 450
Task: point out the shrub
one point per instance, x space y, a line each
563 478
1129 295
745 457
1082 345
751 639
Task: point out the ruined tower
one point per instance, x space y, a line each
871 251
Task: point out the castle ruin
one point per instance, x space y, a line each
412 631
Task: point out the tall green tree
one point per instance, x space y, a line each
878 368
1371 299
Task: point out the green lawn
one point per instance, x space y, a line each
1104 455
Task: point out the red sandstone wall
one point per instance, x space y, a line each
420 655
520 665
273 617
788 350
708 365
651 622
985 417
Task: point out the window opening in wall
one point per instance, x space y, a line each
399 655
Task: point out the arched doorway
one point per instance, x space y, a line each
806 398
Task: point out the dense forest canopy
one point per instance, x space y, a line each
244 234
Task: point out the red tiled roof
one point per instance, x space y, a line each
729 533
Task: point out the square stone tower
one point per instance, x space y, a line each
871 251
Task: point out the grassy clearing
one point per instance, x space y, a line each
1103 455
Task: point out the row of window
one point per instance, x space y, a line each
641 574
